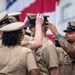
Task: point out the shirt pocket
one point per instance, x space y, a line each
38 56
68 60
66 66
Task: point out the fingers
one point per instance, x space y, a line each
39 19
40 15
50 26
49 23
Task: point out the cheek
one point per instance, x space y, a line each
32 29
71 37
68 35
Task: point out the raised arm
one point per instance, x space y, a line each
37 42
62 41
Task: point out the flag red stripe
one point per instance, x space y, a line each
39 6
50 36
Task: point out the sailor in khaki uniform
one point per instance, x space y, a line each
67 43
15 59
46 56
65 62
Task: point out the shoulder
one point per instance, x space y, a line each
24 49
27 38
49 45
48 42
26 44
21 49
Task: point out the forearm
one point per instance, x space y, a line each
66 45
38 33
54 71
37 42
34 72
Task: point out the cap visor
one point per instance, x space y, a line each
67 30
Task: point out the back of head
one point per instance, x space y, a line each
12 34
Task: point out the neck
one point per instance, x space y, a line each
44 34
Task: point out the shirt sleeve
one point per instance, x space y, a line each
66 46
50 57
31 63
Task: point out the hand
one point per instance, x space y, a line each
39 19
26 21
52 28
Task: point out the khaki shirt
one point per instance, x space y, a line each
73 68
0 42
27 38
46 57
26 42
16 60
65 65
